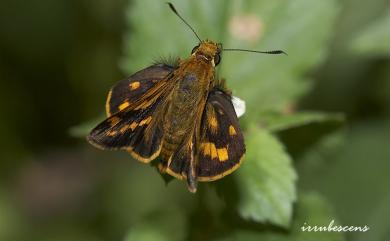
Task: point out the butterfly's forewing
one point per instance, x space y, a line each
221 147
133 123
129 90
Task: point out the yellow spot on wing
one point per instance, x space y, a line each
206 148
232 131
213 151
112 133
124 105
209 149
209 178
134 85
133 125
222 154
124 129
114 120
213 123
146 121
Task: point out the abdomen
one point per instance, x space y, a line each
180 119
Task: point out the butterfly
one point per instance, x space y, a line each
181 113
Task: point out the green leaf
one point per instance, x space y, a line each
168 226
356 168
266 180
82 130
311 209
136 190
276 122
265 82
276 82
157 32
375 38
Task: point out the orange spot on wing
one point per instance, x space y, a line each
112 133
124 105
146 121
134 85
213 122
213 150
206 148
209 149
114 120
232 131
133 125
124 129
222 154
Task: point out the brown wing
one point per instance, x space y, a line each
220 149
129 90
182 164
134 124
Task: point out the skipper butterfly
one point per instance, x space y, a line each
181 113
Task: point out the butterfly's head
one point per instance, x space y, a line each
208 51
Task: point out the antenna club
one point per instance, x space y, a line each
279 52
172 7
257 51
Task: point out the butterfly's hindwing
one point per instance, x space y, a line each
129 90
182 164
221 147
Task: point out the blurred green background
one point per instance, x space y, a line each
317 125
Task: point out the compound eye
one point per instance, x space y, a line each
217 59
194 49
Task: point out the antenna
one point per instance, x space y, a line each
177 14
256 51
